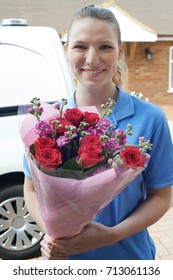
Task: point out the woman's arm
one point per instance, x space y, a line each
96 235
149 212
32 203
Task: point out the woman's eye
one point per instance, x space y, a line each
80 47
105 47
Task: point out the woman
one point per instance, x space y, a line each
94 49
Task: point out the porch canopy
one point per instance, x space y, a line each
131 29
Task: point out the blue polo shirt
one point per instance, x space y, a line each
149 121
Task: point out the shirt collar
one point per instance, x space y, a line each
124 106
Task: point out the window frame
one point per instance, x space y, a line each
170 90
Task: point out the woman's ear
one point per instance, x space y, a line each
121 51
65 48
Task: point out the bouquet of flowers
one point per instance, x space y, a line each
79 162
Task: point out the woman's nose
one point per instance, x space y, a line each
92 57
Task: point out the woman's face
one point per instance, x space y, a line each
93 52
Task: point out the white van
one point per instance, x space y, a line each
32 64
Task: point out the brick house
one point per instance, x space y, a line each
146 31
153 77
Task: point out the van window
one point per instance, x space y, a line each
26 74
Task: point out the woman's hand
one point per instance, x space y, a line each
51 250
93 236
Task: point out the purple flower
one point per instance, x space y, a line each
102 126
40 110
104 123
142 139
42 128
31 110
92 131
113 145
62 141
147 157
57 106
119 135
100 129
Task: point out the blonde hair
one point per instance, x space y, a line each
101 14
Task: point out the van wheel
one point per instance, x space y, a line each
20 236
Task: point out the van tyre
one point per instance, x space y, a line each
20 236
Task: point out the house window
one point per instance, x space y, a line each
171 70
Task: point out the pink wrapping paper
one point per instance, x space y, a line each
67 205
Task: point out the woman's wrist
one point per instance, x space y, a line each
114 235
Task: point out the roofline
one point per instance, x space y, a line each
165 37
138 22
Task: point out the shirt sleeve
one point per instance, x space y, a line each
159 172
26 169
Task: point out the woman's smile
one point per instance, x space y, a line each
92 73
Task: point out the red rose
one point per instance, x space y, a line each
74 115
94 140
43 142
90 118
132 157
48 157
62 123
89 155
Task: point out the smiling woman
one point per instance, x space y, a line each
119 231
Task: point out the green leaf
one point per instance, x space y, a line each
71 164
32 149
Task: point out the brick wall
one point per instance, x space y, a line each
150 76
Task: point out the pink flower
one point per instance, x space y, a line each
62 141
43 129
